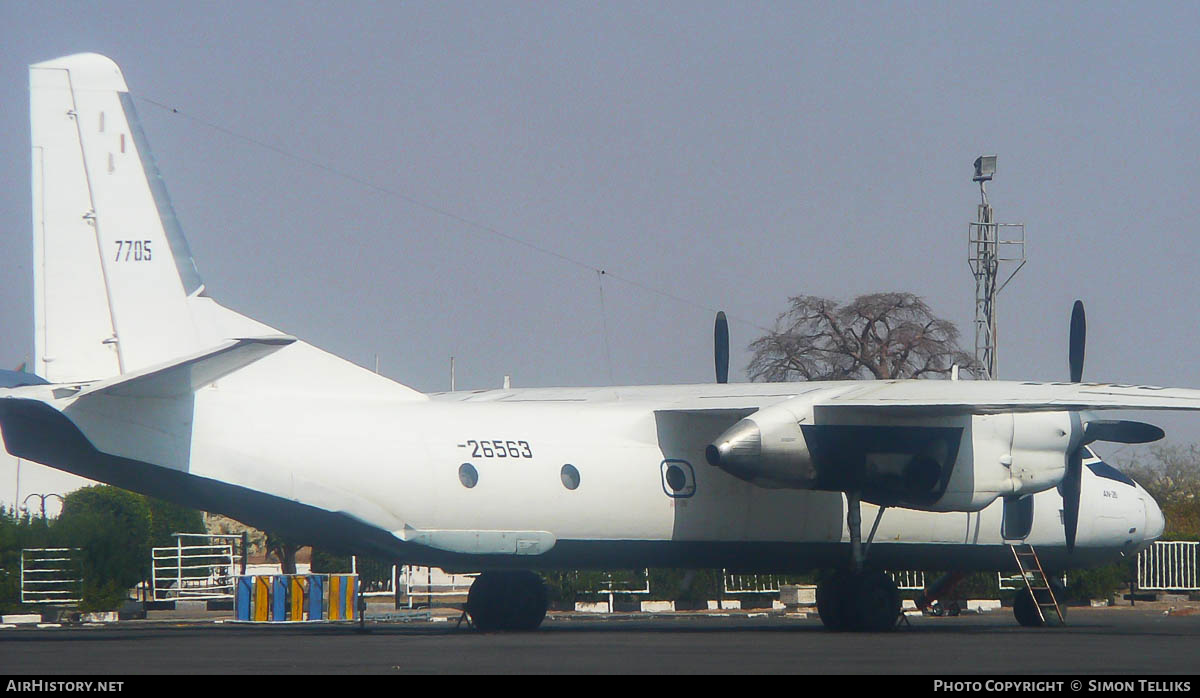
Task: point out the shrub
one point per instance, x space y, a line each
112 527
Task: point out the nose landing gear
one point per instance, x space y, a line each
507 600
1027 601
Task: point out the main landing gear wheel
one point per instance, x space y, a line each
507 600
863 602
858 600
1026 611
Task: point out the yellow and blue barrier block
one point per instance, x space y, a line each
295 598
316 597
262 598
279 590
343 589
297 590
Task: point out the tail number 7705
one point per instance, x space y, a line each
133 250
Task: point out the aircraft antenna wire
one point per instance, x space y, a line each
438 210
604 325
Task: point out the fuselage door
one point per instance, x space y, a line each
1018 518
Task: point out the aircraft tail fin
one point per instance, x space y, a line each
116 291
112 269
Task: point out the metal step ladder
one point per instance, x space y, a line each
1035 581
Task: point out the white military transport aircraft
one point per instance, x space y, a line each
144 381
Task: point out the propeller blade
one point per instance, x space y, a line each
1070 491
1121 431
1078 337
721 347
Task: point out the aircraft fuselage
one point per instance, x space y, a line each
556 479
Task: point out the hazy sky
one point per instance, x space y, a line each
728 154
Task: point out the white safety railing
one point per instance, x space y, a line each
1010 582
369 586
375 587
1013 582
203 569
752 583
612 587
910 580
1168 566
51 575
771 583
429 581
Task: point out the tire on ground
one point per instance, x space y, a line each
876 602
507 600
1026 611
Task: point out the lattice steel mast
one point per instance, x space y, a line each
987 251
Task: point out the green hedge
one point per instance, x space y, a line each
114 529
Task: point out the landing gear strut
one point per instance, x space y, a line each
858 600
507 600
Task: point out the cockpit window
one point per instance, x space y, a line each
1105 470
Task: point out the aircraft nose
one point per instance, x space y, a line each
1155 521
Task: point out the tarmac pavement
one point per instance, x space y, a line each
1135 641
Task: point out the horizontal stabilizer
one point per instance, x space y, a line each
16 379
190 373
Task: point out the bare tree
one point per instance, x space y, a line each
879 335
1171 474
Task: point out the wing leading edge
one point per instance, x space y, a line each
918 398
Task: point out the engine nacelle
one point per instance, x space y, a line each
768 448
939 463
1027 457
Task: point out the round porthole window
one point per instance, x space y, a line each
467 475
676 478
570 476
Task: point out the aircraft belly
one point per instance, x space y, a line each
760 556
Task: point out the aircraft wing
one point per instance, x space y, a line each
914 397
984 397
